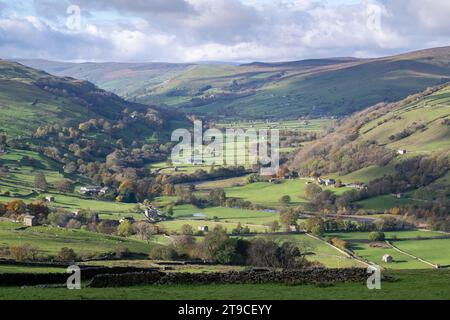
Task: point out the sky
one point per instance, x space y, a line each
218 30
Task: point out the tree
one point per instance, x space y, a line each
121 252
124 229
231 251
217 197
214 239
169 210
312 191
315 225
65 186
163 253
240 229
39 210
25 252
274 226
127 192
377 236
67 255
288 218
144 230
187 229
267 253
40 182
285 200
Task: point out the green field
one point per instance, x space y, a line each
224 214
418 243
29 269
375 255
385 202
436 251
49 240
322 252
20 183
268 194
430 112
390 235
313 125
410 285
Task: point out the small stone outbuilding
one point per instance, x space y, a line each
387 258
29 221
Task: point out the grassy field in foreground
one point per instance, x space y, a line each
410 285
29 269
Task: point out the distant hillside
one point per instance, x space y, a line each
125 79
367 143
316 87
30 98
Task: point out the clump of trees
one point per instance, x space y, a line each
218 247
17 208
318 226
377 236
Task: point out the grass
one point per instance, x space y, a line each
268 194
375 255
49 240
385 202
389 235
313 125
320 252
430 112
436 251
20 183
418 243
29 269
175 225
411 285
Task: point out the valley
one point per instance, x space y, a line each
86 175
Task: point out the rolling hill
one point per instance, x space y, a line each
315 87
124 79
30 98
366 145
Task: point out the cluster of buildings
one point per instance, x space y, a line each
94 190
153 214
327 182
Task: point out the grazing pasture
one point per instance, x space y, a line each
375 255
49 240
436 251
269 194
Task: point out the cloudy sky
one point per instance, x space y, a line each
218 30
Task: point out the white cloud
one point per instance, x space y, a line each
243 30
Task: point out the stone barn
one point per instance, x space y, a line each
387 258
29 221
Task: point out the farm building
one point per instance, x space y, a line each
203 228
29 221
330 182
50 199
153 214
387 258
401 151
129 219
94 190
